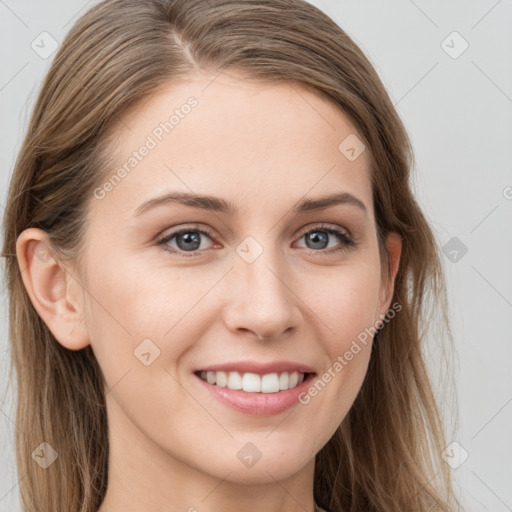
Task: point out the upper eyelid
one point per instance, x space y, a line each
326 226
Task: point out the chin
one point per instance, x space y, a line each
267 469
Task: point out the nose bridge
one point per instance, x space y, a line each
261 299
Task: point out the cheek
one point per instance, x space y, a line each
345 306
128 304
344 302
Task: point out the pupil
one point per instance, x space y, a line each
318 237
188 238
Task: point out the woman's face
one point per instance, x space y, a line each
253 275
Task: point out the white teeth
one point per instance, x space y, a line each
221 379
252 382
294 378
234 380
283 380
270 383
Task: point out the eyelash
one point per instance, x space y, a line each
347 241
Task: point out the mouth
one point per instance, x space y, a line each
256 389
250 382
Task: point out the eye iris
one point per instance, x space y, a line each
317 237
188 237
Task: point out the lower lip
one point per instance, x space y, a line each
258 404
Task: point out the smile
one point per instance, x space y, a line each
255 394
253 382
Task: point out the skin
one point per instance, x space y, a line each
263 147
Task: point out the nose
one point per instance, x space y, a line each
260 297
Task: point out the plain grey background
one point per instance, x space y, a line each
448 69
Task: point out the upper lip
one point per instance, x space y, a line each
257 367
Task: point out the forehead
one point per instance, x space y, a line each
236 138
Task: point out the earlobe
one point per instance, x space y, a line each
394 247
54 293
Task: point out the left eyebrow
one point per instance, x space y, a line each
203 202
217 204
308 205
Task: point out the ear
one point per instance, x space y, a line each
394 248
54 292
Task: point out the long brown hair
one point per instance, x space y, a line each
386 454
